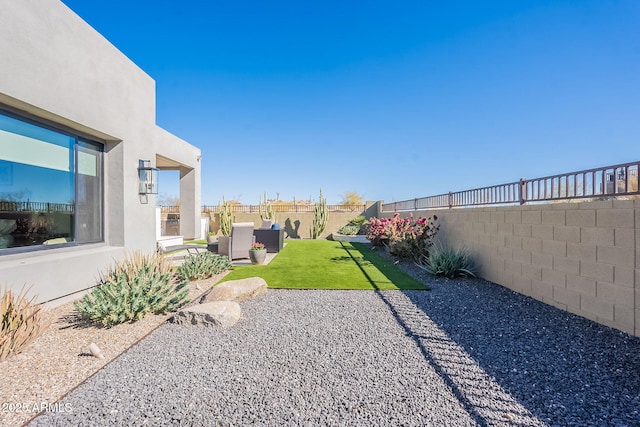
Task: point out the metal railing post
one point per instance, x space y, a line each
523 191
450 199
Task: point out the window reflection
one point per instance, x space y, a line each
38 203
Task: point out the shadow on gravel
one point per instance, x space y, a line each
513 360
540 364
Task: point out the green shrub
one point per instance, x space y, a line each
135 287
22 322
202 265
354 226
359 221
449 263
349 229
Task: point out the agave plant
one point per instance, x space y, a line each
138 285
448 262
202 266
22 321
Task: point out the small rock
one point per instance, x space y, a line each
216 313
95 351
236 290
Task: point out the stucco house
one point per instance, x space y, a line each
77 117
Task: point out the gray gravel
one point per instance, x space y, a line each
468 352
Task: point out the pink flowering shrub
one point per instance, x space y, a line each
405 237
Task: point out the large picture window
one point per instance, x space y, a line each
50 187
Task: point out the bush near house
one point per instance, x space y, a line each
21 320
138 285
405 237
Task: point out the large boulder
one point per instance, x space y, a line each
236 290
216 313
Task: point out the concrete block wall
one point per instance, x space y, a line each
580 257
296 225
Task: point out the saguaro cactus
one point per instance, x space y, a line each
320 217
226 217
266 209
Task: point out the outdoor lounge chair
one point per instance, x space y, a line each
238 244
191 249
266 224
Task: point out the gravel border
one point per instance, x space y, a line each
469 352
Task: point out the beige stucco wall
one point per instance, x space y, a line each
58 70
297 225
580 257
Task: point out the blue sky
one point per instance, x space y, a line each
393 100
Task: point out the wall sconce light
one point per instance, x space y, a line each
148 177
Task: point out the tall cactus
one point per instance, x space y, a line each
266 209
226 217
320 217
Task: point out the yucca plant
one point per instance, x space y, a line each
22 321
202 265
448 262
136 286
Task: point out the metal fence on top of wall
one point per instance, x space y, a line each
616 180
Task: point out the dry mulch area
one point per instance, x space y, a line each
59 360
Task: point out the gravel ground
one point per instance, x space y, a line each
469 352
59 360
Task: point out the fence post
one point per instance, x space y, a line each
523 191
415 204
450 199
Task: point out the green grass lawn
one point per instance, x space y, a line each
324 264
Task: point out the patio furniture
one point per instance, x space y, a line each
191 249
273 239
266 224
237 245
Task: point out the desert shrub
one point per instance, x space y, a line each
354 226
136 286
359 221
349 230
405 237
22 322
449 262
202 265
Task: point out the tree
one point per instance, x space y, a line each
351 198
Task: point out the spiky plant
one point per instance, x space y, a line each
202 266
22 321
320 217
449 262
265 208
349 229
136 286
226 217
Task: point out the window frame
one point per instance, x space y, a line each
78 138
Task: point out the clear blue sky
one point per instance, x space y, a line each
393 100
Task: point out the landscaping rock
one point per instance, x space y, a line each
236 290
216 313
95 351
